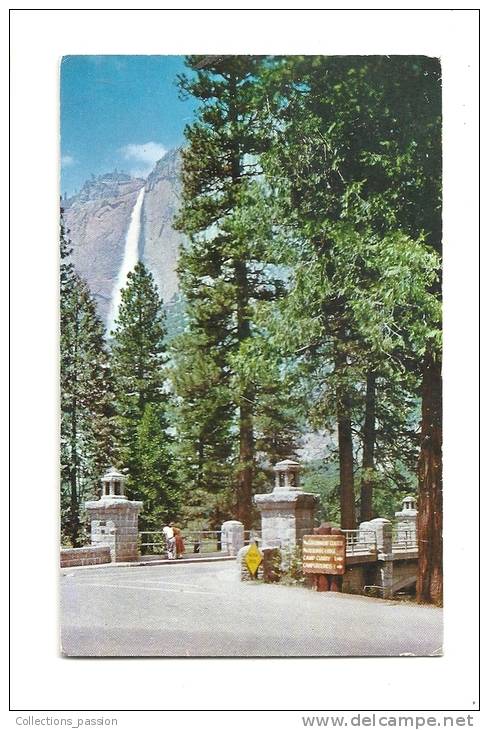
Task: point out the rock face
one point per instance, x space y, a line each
160 242
98 219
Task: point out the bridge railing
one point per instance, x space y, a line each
404 539
360 542
252 536
151 542
197 542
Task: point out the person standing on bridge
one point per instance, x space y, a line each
170 542
179 544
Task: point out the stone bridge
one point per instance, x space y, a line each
381 556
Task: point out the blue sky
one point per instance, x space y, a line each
118 112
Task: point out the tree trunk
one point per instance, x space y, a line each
74 496
200 462
246 406
74 509
244 486
366 486
345 448
246 461
429 587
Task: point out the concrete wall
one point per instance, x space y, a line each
404 573
71 557
359 575
353 580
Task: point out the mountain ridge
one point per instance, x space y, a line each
97 219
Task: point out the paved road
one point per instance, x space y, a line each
203 610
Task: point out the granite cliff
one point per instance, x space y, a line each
98 218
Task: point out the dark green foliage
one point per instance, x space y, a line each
138 360
369 129
203 450
390 487
355 165
224 274
156 475
205 414
215 169
138 349
87 423
322 478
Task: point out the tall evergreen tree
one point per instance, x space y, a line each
357 142
155 471
87 423
202 414
223 272
141 397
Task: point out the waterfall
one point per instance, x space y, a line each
131 257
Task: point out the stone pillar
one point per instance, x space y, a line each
114 519
287 513
406 521
383 533
385 558
232 537
367 536
365 530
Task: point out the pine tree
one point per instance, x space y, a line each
87 443
161 498
141 397
222 271
356 153
203 416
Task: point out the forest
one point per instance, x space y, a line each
311 308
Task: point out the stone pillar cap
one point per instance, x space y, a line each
110 480
286 464
112 501
231 522
408 511
113 473
285 495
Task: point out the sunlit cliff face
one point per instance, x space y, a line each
99 221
